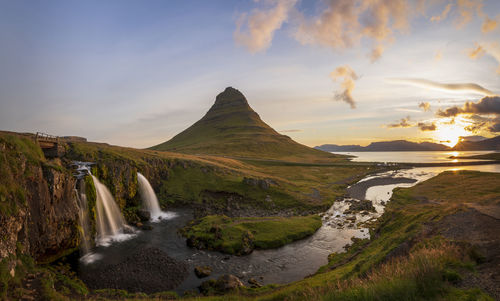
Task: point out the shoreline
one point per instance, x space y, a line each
445 164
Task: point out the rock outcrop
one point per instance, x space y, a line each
38 210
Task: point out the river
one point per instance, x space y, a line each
282 265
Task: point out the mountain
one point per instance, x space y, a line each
340 148
486 144
385 146
232 128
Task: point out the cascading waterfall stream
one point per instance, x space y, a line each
83 169
150 201
83 217
110 222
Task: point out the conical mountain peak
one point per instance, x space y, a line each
230 97
232 128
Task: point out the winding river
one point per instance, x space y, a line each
282 265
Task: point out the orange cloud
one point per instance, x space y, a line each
348 77
489 25
443 14
261 25
476 52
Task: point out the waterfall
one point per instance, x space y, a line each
83 217
110 222
150 201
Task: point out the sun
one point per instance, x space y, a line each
449 134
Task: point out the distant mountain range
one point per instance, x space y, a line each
486 144
403 145
232 128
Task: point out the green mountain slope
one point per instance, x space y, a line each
232 128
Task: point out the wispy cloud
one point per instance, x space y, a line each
493 49
291 131
424 106
427 126
403 123
443 15
255 31
476 52
348 77
424 83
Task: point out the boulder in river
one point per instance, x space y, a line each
357 206
254 283
225 283
202 271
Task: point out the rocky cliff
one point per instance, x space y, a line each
38 211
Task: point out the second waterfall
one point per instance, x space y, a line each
149 199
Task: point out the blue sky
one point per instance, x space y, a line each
135 73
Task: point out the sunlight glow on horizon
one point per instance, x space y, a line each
449 133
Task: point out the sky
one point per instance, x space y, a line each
136 73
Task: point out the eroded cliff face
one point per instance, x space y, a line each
38 211
53 214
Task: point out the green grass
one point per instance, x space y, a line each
367 271
181 179
429 268
457 187
20 158
233 235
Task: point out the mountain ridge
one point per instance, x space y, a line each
381 146
404 145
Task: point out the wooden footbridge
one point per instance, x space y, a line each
49 144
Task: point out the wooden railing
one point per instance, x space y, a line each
46 137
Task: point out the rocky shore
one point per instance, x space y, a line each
148 270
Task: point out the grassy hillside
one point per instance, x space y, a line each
192 179
413 254
232 128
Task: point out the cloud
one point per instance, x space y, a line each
493 49
495 127
261 25
403 123
489 25
487 105
343 23
424 106
443 14
427 127
376 53
348 77
291 131
476 53
467 9
424 83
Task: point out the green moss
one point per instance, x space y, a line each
19 160
240 235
